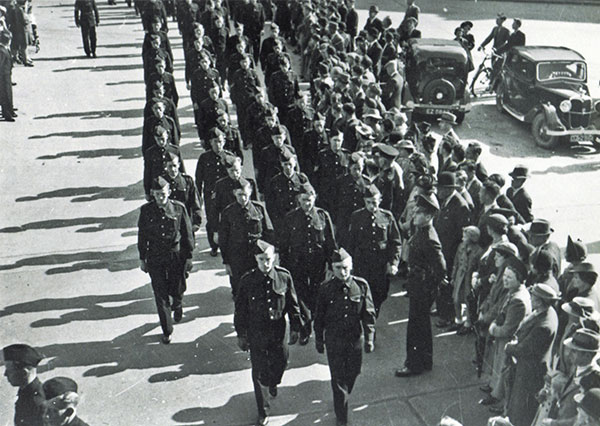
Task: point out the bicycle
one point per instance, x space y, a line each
482 80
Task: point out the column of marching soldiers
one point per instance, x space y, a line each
345 181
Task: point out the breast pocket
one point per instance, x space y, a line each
254 222
356 302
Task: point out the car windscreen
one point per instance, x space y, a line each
570 70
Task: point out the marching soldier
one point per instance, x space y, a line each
166 78
62 400
165 244
152 53
20 369
389 180
269 164
375 244
87 17
183 190
233 138
306 243
344 314
266 296
314 140
223 191
157 155
283 88
332 164
208 111
426 269
242 223
282 191
211 168
158 118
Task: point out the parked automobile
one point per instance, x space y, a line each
546 86
436 73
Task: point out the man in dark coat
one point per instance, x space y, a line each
242 223
165 245
183 189
266 296
454 215
374 242
516 38
158 118
21 363
156 156
391 90
332 163
426 269
253 18
166 78
352 22
6 94
519 196
389 180
499 35
87 17
62 400
207 112
306 243
344 314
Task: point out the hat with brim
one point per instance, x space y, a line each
387 151
364 131
372 113
448 117
506 249
576 251
520 172
517 265
544 291
540 227
497 222
584 267
580 307
583 340
447 180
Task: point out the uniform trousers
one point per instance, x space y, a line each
344 360
268 365
88 35
374 270
306 281
419 340
6 96
167 280
212 223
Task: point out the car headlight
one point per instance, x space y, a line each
565 106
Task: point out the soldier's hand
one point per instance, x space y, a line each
320 346
293 338
392 269
228 270
188 267
188 85
243 343
369 347
143 266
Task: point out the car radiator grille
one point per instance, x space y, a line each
580 113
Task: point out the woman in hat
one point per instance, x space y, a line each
530 354
575 253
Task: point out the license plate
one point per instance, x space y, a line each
581 138
433 111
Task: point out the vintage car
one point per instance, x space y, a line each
546 86
436 74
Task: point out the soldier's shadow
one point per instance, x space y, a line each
309 402
86 194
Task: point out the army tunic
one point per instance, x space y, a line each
210 169
426 269
283 91
168 81
344 314
29 408
223 194
389 182
165 243
260 310
239 229
184 190
155 159
306 243
206 115
331 165
151 123
269 163
349 197
374 242
150 58
281 194
308 155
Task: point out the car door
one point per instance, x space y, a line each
519 79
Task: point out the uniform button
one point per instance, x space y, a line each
345 315
345 297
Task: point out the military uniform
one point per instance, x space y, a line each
29 408
426 270
207 113
344 313
306 243
269 164
349 193
283 91
281 194
210 169
331 165
165 243
155 159
260 309
223 194
239 229
150 123
233 139
389 183
308 155
168 81
87 17
374 242
184 190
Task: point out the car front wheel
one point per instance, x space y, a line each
538 130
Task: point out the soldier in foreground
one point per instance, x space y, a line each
266 294
344 314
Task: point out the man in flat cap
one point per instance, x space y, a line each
518 195
375 243
62 400
21 363
266 295
165 244
426 269
531 350
306 243
344 322
242 223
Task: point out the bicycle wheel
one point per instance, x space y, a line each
481 82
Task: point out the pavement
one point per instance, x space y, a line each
69 278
